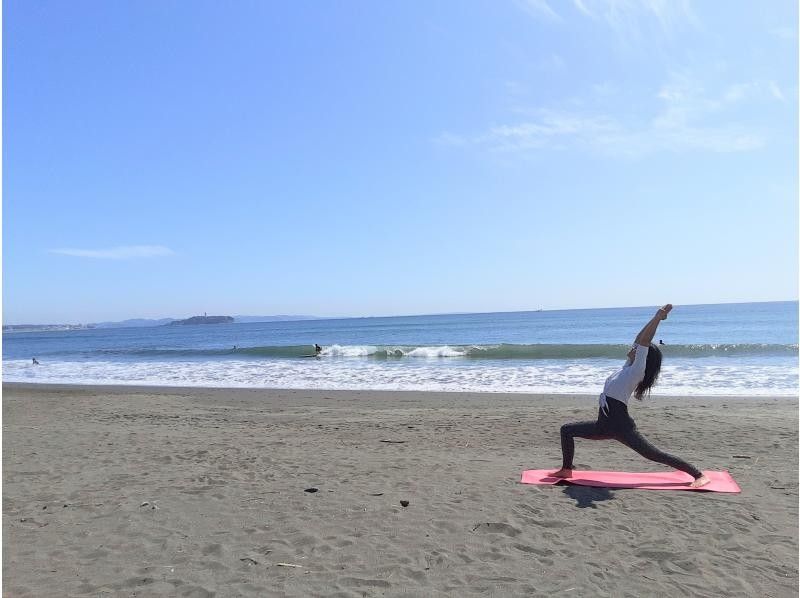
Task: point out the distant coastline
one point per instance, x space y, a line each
242 319
145 323
12 328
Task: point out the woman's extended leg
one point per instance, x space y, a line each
639 443
589 430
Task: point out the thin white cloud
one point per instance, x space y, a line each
785 32
754 90
538 8
605 135
582 8
680 124
776 91
552 128
625 17
118 253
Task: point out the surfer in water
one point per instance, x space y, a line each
317 351
636 377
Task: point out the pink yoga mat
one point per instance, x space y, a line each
721 481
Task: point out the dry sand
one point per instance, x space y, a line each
84 469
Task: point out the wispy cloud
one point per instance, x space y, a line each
118 253
784 32
754 90
538 8
625 17
776 91
681 123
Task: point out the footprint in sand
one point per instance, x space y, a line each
497 528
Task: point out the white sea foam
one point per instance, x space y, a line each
549 377
429 352
391 351
348 351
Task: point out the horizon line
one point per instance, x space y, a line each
308 317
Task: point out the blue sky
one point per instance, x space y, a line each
375 158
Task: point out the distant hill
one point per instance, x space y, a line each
201 320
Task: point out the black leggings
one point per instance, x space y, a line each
618 425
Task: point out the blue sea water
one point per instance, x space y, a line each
728 349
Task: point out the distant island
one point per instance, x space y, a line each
202 320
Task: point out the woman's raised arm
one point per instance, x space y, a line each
646 334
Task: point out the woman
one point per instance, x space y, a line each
637 377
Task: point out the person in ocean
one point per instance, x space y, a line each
35 362
317 349
636 377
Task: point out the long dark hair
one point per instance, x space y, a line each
651 371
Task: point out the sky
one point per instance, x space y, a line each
356 158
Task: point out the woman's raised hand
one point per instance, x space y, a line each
645 336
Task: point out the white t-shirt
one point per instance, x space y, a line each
620 385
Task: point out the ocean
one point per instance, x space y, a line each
728 349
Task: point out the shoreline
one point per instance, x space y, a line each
198 491
146 388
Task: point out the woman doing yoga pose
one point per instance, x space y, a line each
637 376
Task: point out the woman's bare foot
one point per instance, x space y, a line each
562 473
701 481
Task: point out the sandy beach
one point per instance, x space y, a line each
122 491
